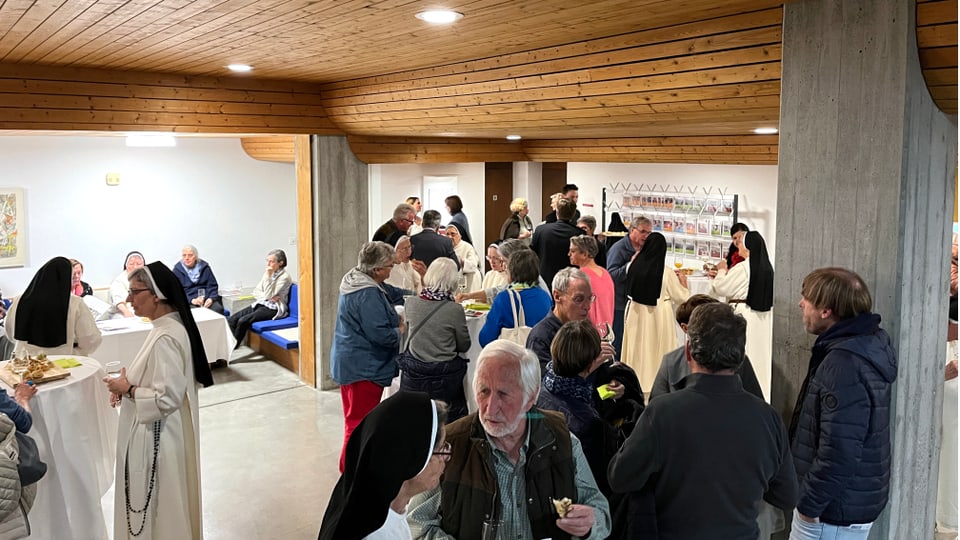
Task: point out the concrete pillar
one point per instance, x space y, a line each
340 225
866 177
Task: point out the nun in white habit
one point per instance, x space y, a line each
158 442
396 452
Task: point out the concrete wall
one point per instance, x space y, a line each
866 182
340 227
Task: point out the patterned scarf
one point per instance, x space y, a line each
575 387
435 293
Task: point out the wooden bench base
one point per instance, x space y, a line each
288 358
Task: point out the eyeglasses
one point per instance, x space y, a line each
496 259
581 299
410 221
135 291
445 451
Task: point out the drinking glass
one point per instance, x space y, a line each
462 283
606 332
201 295
678 262
113 369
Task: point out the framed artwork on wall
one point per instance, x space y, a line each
13 223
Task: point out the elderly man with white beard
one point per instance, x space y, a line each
509 462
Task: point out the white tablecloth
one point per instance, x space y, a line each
699 285
76 433
474 324
122 338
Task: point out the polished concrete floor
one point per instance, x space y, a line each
269 447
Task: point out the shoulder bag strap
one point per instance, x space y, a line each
520 320
423 322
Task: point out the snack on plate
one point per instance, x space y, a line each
563 506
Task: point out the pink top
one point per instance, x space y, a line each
602 284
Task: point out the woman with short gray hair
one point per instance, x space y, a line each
271 296
197 279
432 360
366 336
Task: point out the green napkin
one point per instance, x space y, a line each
67 363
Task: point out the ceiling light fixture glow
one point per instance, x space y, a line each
765 131
240 68
513 137
154 140
439 16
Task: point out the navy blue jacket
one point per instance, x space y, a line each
206 281
841 424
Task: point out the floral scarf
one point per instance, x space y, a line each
435 293
575 387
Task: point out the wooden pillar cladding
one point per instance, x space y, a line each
305 243
60 98
713 77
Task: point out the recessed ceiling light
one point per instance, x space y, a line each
151 139
439 16
240 68
765 131
513 137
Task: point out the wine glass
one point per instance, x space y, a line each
606 332
678 262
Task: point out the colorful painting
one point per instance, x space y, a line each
12 224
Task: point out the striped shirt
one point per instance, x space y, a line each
423 511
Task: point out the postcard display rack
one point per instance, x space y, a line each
695 221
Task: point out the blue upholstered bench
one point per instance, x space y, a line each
285 338
281 345
292 320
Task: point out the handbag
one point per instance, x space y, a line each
31 467
518 334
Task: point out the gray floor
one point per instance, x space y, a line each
269 447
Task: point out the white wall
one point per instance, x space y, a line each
397 182
756 185
204 191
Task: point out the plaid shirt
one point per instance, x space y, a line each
423 511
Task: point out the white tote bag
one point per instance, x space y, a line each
518 334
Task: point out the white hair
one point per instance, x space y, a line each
527 362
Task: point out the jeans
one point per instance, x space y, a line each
802 530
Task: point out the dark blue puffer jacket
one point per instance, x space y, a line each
840 431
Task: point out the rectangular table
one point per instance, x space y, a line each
122 338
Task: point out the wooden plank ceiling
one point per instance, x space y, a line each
937 44
608 80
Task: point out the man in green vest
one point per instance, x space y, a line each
509 461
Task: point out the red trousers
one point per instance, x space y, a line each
358 400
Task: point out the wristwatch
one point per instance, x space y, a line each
130 391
